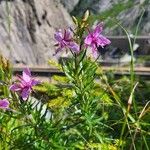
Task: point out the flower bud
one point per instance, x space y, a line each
86 16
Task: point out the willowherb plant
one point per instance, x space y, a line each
84 116
91 117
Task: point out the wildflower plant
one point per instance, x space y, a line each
85 107
86 113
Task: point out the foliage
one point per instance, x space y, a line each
86 109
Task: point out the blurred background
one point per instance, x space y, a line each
27 28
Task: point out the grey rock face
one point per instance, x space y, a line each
130 19
130 12
95 6
69 4
27 28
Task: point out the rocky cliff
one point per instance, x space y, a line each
27 28
127 12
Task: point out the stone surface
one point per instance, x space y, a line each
128 14
95 6
27 28
69 4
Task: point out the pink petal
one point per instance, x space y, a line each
102 41
95 53
98 29
26 75
88 40
58 35
15 87
25 93
34 82
63 43
67 34
4 104
74 46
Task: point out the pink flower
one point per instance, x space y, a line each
25 84
4 104
95 39
65 40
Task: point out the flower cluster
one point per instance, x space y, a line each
65 40
93 40
24 84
